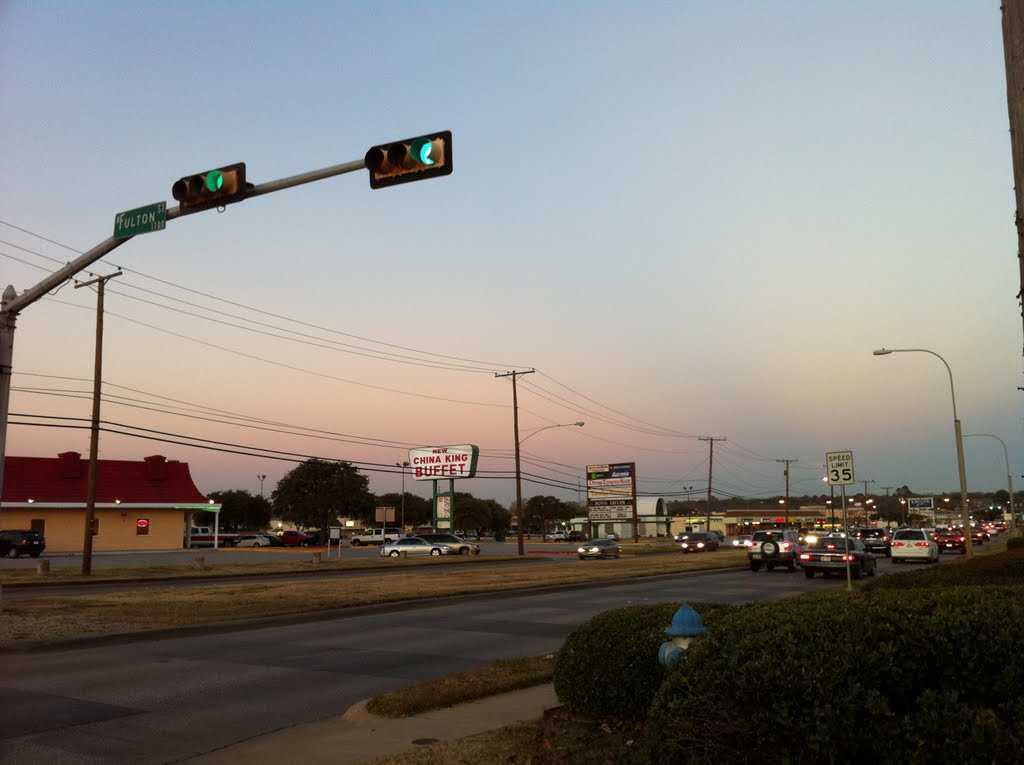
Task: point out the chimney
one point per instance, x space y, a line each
156 467
70 465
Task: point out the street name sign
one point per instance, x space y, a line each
141 220
839 468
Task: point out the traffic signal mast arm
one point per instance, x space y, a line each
12 303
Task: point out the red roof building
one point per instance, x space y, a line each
139 505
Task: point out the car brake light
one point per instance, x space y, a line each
921 544
786 545
805 556
897 544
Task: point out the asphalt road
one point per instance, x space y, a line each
166 700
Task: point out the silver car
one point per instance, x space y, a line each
408 546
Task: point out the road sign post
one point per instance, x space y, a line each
839 472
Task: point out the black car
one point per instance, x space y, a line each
15 543
876 540
827 555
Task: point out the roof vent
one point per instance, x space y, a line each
70 464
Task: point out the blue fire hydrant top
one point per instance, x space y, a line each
686 623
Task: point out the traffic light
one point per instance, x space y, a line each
414 159
214 188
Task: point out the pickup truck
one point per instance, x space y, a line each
377 536
202 536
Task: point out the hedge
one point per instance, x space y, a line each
920 676
608 666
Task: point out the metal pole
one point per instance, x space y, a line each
846 539
13 303
94 433
964 510
1009 478
515 434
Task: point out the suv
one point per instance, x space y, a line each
15 543
458 544
876 540
774 547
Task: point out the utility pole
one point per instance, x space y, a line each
711 463
94 431
1013 52
786 473
515 432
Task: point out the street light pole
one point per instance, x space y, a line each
403 465
1009 478
965 512
262 479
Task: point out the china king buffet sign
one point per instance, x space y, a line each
429 463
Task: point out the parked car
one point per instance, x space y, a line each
576 536
831 554
719 534
741 542
613 536
295 539
914 544
599 548
876 540
773 547
556 536
272 540
414 546
16 542
699 541
253 540
459 545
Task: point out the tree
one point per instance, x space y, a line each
542 511
314 494
240 510
471 512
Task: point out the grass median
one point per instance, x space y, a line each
97 613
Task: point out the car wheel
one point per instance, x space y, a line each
435 552
791 566
856 573
257 544
394 554
356 543
12 553
463 551
755 566
809 573
874 570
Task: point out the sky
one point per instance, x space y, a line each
691 220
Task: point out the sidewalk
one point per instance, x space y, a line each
357 736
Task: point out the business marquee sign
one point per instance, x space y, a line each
611 491
430 463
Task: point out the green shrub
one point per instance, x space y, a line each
849 678
608 667
1005 568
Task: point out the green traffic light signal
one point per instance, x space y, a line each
413 159
213 188
214 180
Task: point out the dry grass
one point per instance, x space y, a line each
500 677
130 611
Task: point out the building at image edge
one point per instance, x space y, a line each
140 505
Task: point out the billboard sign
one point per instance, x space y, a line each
429 463
611 491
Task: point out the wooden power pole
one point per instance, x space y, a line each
1013 51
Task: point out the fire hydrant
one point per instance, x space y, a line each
686 625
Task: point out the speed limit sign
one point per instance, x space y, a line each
839 468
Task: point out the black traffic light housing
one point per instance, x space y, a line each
414 159
212 188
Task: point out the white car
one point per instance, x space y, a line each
413 546
914 544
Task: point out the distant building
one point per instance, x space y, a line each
141 505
